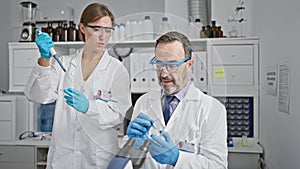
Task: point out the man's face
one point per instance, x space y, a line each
172 82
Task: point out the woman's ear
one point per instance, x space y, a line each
82 28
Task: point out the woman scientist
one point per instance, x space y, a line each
83 134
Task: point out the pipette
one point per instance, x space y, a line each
54 54
148 134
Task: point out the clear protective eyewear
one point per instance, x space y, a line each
170 67
100 29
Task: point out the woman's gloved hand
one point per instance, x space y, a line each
140 126
44 43
77 100
163 151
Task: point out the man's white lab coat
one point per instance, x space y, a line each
199 119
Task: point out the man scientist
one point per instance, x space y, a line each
186 127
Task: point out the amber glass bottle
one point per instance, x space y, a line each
203 32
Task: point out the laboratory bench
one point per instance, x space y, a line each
23 154
32 154
244 157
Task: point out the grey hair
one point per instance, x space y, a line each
176 36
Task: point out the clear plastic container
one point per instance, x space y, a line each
147 28
122 28
164 25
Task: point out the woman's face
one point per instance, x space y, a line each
97 33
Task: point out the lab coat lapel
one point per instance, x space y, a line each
97 73
104 62
156 109
173 127
72 76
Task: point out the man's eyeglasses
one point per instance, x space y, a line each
100 29
170 67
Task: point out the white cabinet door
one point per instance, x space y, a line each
234 75
233 54
17 157
7 117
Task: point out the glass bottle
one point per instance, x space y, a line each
208 31
72 31
213 32
220 32
58 32
50 29
203 32
64 35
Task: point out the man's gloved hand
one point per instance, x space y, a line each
140 126
77 100
163 151
44 43
138 142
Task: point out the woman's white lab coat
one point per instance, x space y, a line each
198 119
82 140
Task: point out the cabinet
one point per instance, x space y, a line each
233 64
17 157
14 116
41 156
7 118
233 78
23 56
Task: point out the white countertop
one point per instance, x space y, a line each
253 147
40 143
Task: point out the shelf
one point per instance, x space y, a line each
41 163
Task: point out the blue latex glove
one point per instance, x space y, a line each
139 142
44 43
164 151
140 126
77 100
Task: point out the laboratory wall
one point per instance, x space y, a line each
5 37
276 23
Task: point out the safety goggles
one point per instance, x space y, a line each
100 30
170 67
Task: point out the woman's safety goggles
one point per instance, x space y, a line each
100 30
170 67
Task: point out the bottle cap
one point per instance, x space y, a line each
164 18
122 25
197 20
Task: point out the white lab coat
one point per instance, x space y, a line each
198 119
82 140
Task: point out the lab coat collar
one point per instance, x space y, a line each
156 107
192 93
